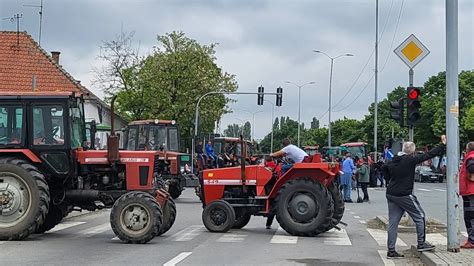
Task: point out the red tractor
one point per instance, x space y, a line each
162 136
46 171
306 199
228 151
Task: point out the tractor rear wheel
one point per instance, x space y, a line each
304 207
169 216
55 216
136 217
175 190
338 204
24 199
242 219
218 216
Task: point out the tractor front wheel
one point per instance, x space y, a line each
338 204
175 190
169 216
55 216
218 216
304 207
24 199
136 217
242 219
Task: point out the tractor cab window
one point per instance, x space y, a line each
157 138
11 124
173 137
48 125
77 126
132 138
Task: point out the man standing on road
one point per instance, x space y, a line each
292 152
348 168
466 190
400 174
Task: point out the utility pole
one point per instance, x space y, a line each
410 82
452 124
376 104
273 117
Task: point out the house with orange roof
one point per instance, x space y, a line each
25 66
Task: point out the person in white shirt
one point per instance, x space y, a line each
292 152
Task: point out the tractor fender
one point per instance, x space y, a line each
308 170
25 152
161 197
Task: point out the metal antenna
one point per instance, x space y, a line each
16 17
40 17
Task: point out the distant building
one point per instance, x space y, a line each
25 66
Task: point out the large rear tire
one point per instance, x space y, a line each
55 216
136 217
304 207
169 216
242 219
24 199
218 216
338 204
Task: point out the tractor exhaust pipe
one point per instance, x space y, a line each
82 195
243 152
113 140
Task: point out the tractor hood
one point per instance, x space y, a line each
100 156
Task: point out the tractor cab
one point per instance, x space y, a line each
357 149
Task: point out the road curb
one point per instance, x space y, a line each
383 221
428 258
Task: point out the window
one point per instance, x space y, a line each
48 125
174 142
132 138
157 138
77 126
11 124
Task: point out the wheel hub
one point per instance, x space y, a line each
14 199
302 208
135 218
218 216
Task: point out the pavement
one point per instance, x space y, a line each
88 239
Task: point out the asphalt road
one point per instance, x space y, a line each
89 240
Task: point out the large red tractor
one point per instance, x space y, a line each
162 136
46 171
306 199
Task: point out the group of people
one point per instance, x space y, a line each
354 173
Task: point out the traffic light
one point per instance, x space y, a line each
413 105
279 96
260 96
397 111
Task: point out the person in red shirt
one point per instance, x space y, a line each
466 190
269 162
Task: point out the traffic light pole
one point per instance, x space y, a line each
452 124
410 81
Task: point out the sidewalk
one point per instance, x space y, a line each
442 257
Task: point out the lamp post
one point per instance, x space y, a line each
299 104
330 87
253 121
273 118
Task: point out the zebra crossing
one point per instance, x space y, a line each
279 236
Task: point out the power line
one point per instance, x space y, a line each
357 97
394 35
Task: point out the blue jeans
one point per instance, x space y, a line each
347 190
285 168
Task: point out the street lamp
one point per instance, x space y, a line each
330 84
299 104
273 112
253 121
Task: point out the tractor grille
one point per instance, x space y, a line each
156 164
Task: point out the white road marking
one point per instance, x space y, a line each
181 256
63 226
336 237
440 189
115 239
437 239
424 189
232 238
357 217
383 256
352 212
380 236
464 233
282 237
3 242
95 230
188 233
347 209
362 222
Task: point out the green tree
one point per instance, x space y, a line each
246 131
314 123
168 83
232 130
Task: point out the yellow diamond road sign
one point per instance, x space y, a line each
411 51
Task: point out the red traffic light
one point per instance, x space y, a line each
413 93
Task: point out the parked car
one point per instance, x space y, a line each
425 174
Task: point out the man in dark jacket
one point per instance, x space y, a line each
400 175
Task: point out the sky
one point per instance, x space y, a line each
263 42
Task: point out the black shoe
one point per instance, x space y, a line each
348 201
425 247
394 255
268 227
